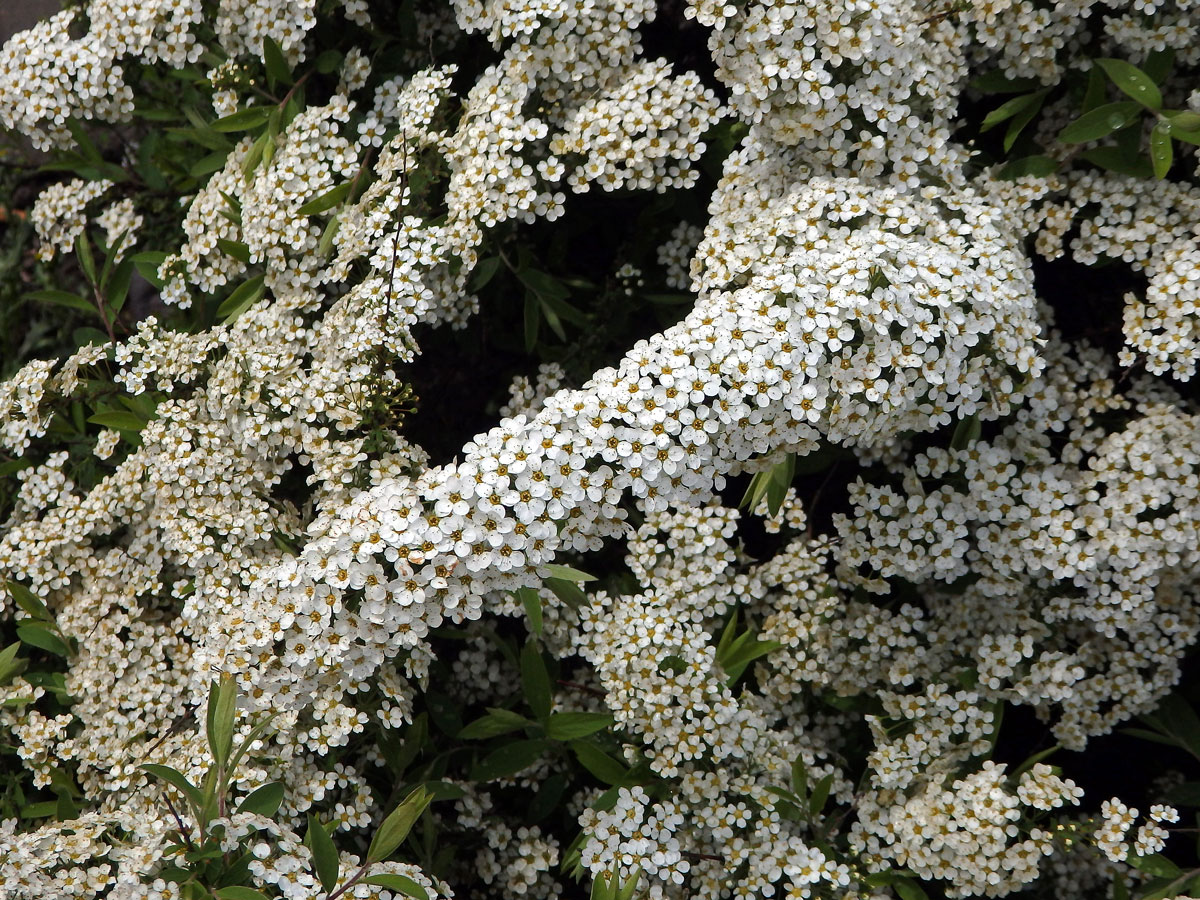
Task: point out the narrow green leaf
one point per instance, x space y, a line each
122 421
87 261
399 883
174 778
10 663
800 777
326 865
533 320
566 573
209 164
532 601
568 592
1011 108
1021 119
1101 121
1113 159
1133 81
1039 166
570 725
278 71
1182 119
328 200
754 492
222 711
966 432
28 601
118 286
509 760
599 763
1154 864
236 249
907 889
996 82
485 270
328 236
397 825
246 295
496 722
43 639
535 680
1160 151
820 794
62 298
263 801
243 119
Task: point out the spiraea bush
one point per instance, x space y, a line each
612 448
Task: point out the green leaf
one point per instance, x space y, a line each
1101 121
1133 81
1182 119
535 680
147 263
1034 759
547 799
257 150
1160 150
10 664
1154 864
43 639
236 249
1021 119
328 235
399 883
907 889
485 270
820 794
243 119
263 801
328 200
496 722
800 777
87 261
397 825
532 601
755 490
599 763
176 779
509 760
1186 794
1113 159
209 164
570 725
222 711
118 286
966 432
1013 107
62 298
568 592
28 601
779 481
239 892
115 418
326 865
278 71
533 320
996 82
566 573
247 294
1039 166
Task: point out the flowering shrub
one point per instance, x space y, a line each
762 527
